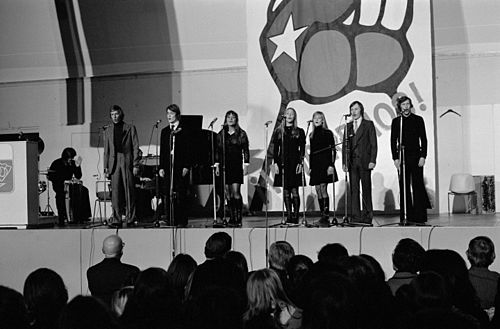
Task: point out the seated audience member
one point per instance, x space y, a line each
216 308
45 295
332 301
119 300
86 312
427 300
110 274
406 260
13 313
239 260
180 269
481 254
268 304
217 245
451 266
297 268
280 253
153 303
330 253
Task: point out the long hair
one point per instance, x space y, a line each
264 289
237 127
324 125
279 129
401 100
361 107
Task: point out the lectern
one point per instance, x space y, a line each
18 184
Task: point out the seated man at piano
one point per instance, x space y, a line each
67 170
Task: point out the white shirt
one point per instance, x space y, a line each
357 123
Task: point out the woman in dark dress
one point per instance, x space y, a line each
232 149
322 162
288 156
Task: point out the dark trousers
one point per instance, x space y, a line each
179 200
356 174
61 206
417 200
123 190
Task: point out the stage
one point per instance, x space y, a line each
72 249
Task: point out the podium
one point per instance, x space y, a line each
18 184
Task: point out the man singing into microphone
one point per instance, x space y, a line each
121 164
414 143
175 148
359 161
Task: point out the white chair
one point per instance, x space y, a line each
462 185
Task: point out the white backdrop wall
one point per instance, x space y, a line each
206 73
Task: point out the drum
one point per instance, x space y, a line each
73 191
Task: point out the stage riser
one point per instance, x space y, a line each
71 251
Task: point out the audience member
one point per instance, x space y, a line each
280 253
110 274
45 295
451 266
13 313
153 303
330 253
180 269
268 304
86 312
120 299
406 260
481 254
239 260
217 245
297 268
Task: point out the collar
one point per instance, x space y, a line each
175 125
358 120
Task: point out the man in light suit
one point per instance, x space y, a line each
121 164
359 158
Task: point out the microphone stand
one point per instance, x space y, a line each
171 189
157 166
223 164
334 219
283 221
266 208
304 220
214 189
347 151
105 221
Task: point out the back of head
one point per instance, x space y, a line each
280 253
238 260
217 245
429 291
407 256
481 252
112 246
13 314
84 312
330 253
68 153
179 270
45 295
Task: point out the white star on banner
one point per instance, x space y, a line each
286 40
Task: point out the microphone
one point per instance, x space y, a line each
309 121
105 127
21 134
157 123
347 115
212 123
268 123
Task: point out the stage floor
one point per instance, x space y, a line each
259 221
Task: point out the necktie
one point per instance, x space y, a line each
355 126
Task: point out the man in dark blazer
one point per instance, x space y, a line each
414 141
359 156
111 274
175 137
121 164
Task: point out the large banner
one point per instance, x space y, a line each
321 55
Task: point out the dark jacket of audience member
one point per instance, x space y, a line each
481 254
406 260
45 295
153 304
13 313
451 266
86 312
238 260
297 269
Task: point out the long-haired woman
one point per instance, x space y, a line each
232 148
321 162
268 304
289 148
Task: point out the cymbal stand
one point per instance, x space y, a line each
48 211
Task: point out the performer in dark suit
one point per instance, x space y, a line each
415 149
288 158
121 164
359 159
175 137
110 274
322 163
236 156
62 169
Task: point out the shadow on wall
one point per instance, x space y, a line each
130 48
